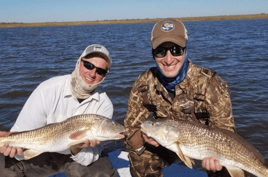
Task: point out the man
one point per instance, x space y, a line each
55 100
175 89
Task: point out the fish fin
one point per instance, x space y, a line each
235 172
188 161
28 154
78 135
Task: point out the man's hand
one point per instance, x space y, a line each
150 140
136 140
4 134
139 138
75 149
9 150
211 164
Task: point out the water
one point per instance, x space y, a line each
235 49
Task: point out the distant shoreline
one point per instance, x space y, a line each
205 18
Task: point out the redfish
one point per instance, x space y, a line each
60 136
190 140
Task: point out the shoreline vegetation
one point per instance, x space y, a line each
147 20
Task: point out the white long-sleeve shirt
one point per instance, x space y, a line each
52 101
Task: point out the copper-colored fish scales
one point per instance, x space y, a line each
60 136
196 141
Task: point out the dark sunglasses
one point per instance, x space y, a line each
175 50
90 66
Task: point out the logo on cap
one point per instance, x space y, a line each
101 49
167 26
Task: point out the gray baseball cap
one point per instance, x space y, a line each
96 48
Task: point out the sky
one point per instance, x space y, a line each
28 11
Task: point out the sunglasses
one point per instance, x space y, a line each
90 66
175 50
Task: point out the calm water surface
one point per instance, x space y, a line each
236 50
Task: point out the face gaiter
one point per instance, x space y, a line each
80 89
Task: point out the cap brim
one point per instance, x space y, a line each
105 57
177 40
109 63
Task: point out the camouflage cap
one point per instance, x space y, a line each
169 30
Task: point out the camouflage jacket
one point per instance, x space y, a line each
202 96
